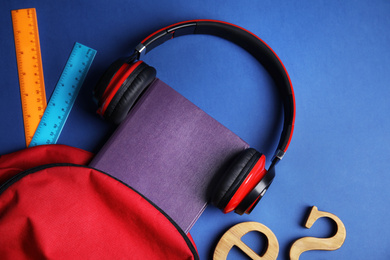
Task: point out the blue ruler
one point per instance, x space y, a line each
64 95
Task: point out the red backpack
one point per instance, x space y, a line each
54 206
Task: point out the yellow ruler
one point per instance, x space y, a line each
28 56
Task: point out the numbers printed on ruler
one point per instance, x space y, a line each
29 62
64 95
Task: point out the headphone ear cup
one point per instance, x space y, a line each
234 177
249 202
120 87
130 91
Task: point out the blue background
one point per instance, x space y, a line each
338 56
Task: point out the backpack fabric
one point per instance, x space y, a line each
53 206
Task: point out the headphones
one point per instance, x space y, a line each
246 179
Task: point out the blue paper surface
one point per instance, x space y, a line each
337 54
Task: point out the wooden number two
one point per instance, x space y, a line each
233 238
312 243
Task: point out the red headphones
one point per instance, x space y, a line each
246 180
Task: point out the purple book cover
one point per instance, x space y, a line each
170 151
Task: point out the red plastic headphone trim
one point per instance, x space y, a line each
254 177
111 83
165 28
251 206
122 74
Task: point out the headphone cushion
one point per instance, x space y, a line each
129 92
234 177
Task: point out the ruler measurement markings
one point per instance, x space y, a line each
30 71
64 95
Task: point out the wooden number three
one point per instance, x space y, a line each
312 243
233 238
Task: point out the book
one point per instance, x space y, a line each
170 151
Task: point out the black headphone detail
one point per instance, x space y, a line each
246 180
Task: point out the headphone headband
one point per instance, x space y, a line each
251 43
